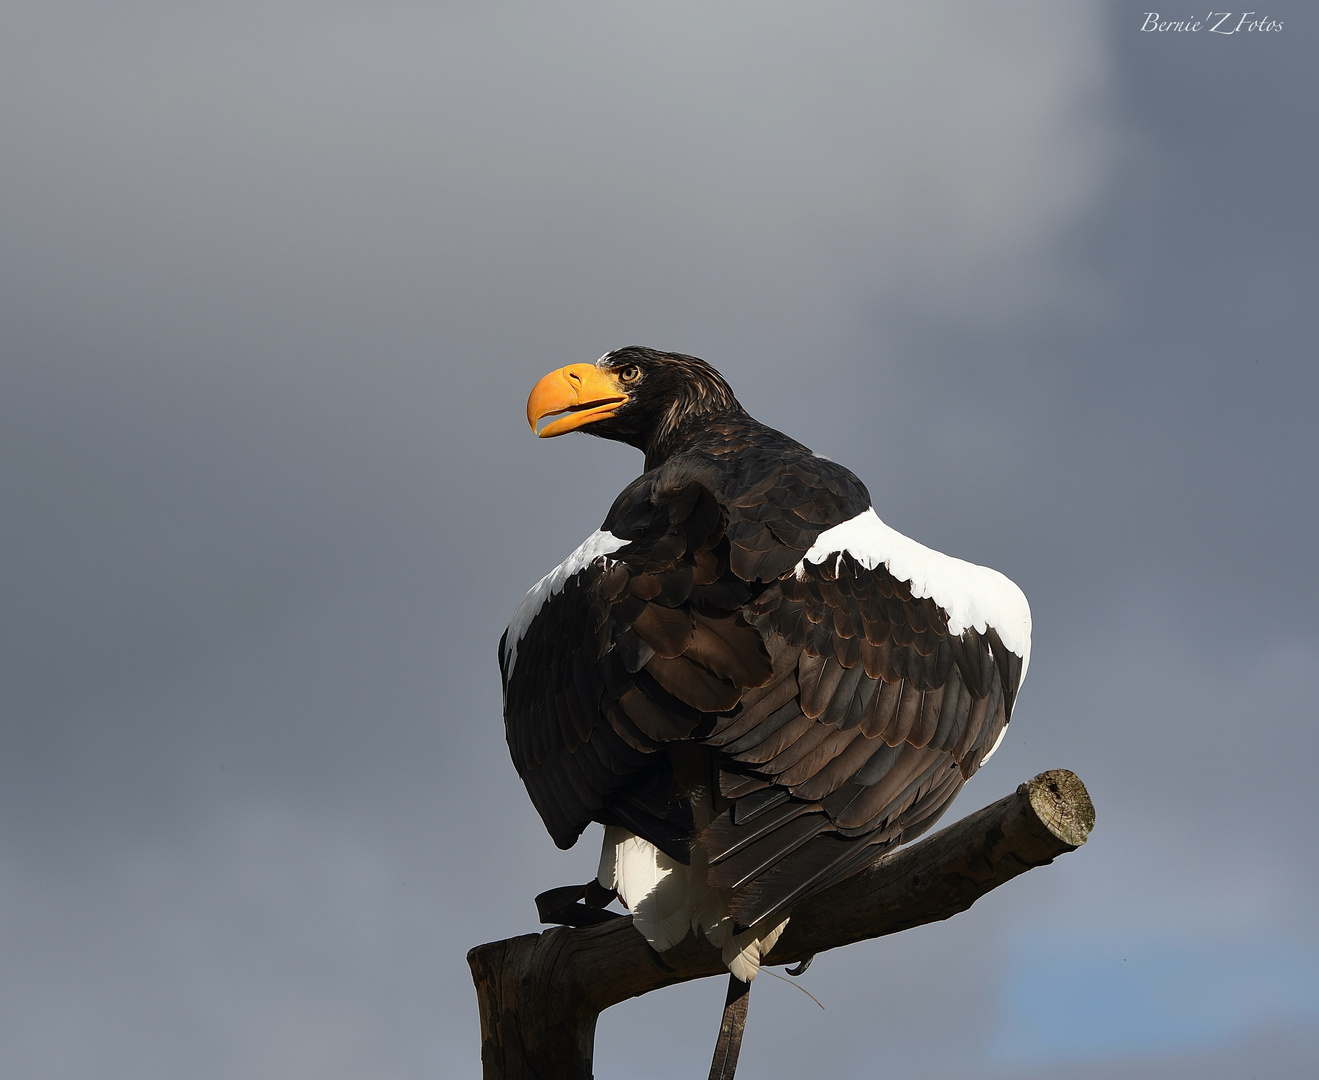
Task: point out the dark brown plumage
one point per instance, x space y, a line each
696 680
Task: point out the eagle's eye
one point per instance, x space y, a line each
629 374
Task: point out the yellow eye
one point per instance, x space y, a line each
631 373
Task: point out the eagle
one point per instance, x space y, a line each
749 679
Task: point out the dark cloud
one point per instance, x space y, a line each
274 282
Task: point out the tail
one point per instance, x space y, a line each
730 1029
668 900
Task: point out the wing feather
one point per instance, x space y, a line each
841 683
896 710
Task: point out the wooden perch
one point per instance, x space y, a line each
540 994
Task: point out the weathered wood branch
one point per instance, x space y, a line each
540 994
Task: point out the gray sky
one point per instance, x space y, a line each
275 280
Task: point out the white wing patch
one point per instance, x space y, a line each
596 546
971 595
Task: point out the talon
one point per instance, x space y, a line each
800 969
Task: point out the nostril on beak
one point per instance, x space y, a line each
574 378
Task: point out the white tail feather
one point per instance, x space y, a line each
668 899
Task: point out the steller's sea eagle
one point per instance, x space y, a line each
755 684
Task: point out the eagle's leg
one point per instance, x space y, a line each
730 1029
564 907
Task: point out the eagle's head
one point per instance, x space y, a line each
635 395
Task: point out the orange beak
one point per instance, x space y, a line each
582 392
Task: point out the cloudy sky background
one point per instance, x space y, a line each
275 280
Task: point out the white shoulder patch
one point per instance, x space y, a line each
971 595
596 546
